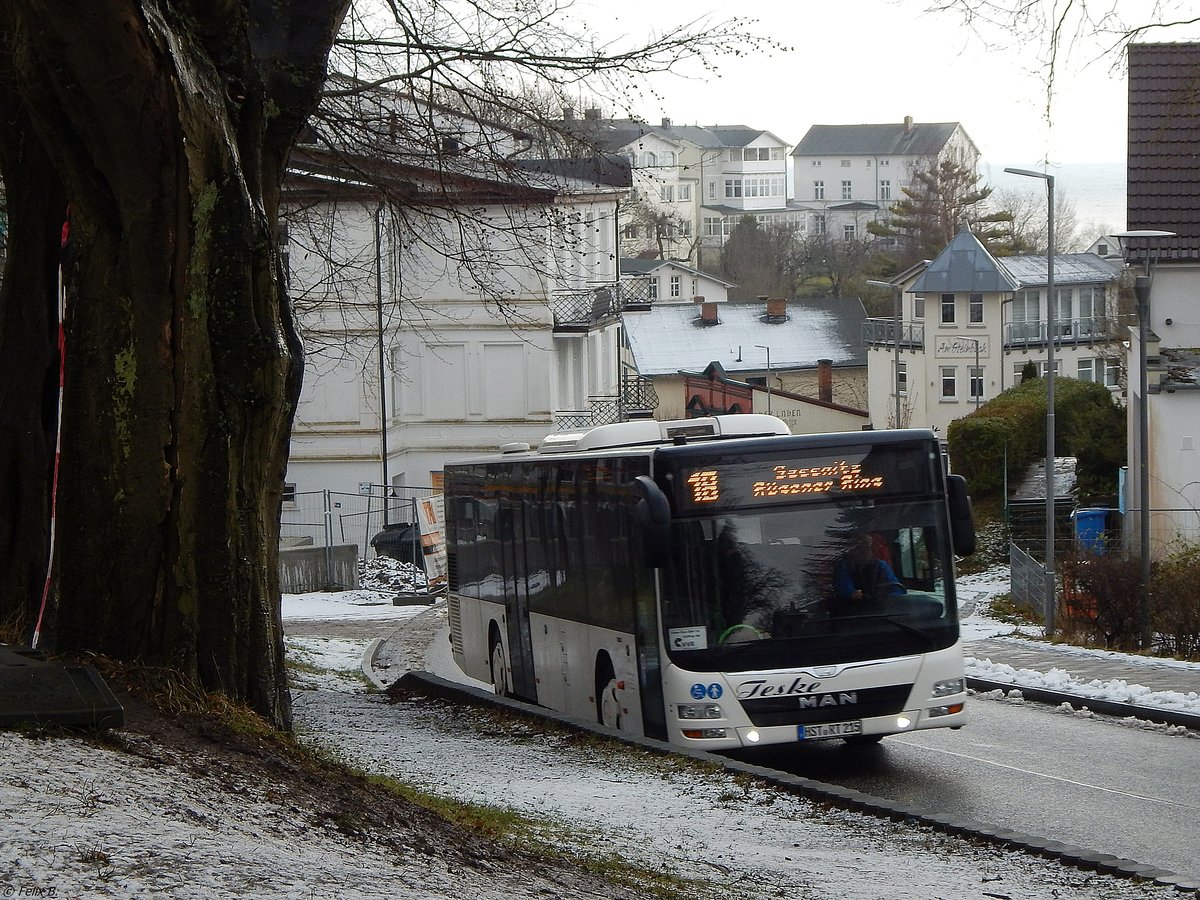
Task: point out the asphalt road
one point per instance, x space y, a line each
1093 782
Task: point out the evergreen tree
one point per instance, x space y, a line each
942 195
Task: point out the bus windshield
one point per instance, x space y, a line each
833 581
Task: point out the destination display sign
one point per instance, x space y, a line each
747 482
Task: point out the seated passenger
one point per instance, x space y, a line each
861 575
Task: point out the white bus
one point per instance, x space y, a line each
692 580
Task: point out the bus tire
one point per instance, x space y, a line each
499 674
608 701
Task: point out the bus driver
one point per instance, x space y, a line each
862 575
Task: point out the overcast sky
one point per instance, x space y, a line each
875 61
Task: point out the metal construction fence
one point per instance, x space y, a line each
1029 583
330 518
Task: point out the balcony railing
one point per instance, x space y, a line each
1071 331
882 333
637 399
580 309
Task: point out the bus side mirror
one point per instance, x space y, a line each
654 517
962 524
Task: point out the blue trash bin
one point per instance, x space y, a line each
1089 529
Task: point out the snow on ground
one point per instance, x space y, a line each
975 595
80 819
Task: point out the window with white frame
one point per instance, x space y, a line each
735 155
845 163
649 159
652 286
1063 308
676 286
976 373
631 231
666 193
902 377
289 493
668 158
918 306
847 190
1086 369
685 192
1091 310
848 231
816 162
1112 373
819 224
712 190
885 162
712 226
975 310
733 187
947 309
776 153
885 190
949 382
818 190
1026 315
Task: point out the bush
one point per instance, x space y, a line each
1175 593
1101 599
1089 425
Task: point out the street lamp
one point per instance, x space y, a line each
895 289
1141 289
1050 593
768 349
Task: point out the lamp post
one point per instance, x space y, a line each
383 423
768 349
895 289
1141 289
1050 585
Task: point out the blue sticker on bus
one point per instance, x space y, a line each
699 692
714 691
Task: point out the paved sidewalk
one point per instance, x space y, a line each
1158 690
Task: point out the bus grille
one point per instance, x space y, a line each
454 615
789 710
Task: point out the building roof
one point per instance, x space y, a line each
614 134
906 138
631 265
965 266
1163 182
668 339
1069 268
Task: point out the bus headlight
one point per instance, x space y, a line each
948 687
935 711
704 732
699 711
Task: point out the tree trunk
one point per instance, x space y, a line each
169 124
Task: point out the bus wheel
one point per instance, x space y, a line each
499 674
608 704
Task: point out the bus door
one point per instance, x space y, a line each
514 566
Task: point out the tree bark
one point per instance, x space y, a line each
169 125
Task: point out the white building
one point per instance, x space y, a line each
969 323
692 184
848 175
476 310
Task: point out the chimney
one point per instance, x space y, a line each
777 309
666 123
825 380
592 113
568 114
708 313
908 124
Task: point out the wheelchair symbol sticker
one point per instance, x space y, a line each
711 691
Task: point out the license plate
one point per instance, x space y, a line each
832 730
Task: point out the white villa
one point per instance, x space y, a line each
692 184
970 322
481 310
848 175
